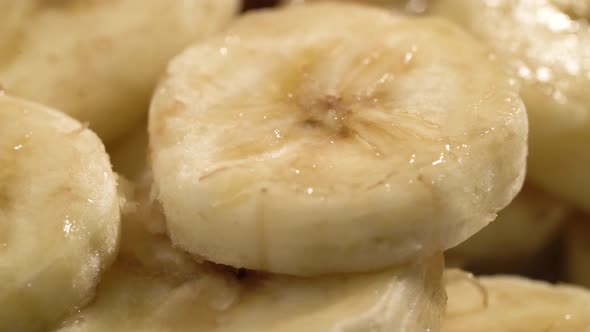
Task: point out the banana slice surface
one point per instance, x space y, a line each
345 139
405 299
96 60
59 215
513 304
523 229
547 43
577 249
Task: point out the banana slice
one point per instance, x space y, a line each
578 251
522 229
513 304
548 45
343 140
405 299
99 60
59 215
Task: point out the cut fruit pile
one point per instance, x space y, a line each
298 168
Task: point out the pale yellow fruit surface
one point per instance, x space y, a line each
513 304
547 44
99 61
214 299
59 215
334 138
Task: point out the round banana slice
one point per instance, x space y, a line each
343 140
96 60
59 215
548 45
523 229
511 304
405 299
577 243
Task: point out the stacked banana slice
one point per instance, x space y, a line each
59 215
155 287
504 303
319 149
99 60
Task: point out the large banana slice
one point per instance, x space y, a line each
577 244
59 215
513 304
548 45
333 138
405 299
523 229
99 60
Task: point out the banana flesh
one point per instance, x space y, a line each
334 138
156 287
59 215
405 299
547 44
513 304
96 60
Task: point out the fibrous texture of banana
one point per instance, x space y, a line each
513 304
332 138
405 299
547 44
523 229
577 244
96 60
59 215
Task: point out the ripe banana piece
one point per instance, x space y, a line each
96 60
404 299
59 215
577 249
547 43
334 138
523 229
513 304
